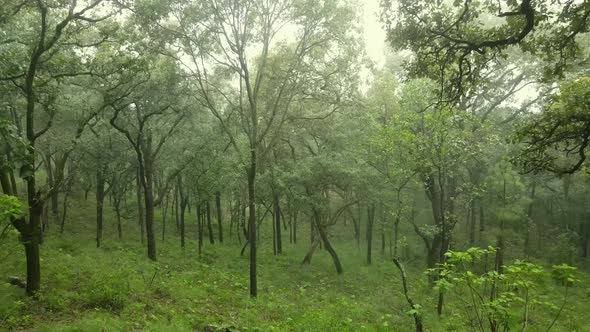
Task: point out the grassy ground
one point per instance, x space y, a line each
116 288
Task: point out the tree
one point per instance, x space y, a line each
35 66
239 41
150 120
453 47
558 138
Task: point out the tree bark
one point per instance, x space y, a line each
100 183
252 220
209 225
279 244
200 228
370 221
327 244
219 221
140 207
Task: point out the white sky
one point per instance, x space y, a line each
373 31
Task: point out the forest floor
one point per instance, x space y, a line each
116 288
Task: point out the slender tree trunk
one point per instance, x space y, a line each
383 223
200 228
328 245
274 235
100 183
52 183
149 206
472 222
64 207
180 224
370 221
252 220
209 225
481 216
295 215
416 314
279 244
164 214
219 221
183 205
396 234
140 207
175 203
529 221
118 214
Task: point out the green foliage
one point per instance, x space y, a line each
10 208
557 138
497 298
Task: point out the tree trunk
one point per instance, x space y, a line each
383 223
370 221
100 183
274 235
529 221
180 202
176 209
200 228
140 207
415 314
277 227
209 225
164 213
51 183
118 215
481 216
295 213
219 222
183 205
309 255
327 244
472 221
149 207
64 207
252 221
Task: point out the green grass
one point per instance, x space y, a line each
116 288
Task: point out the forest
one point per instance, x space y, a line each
251 165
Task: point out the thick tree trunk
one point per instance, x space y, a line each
219 221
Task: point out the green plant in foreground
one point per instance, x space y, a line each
499 298
10 208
